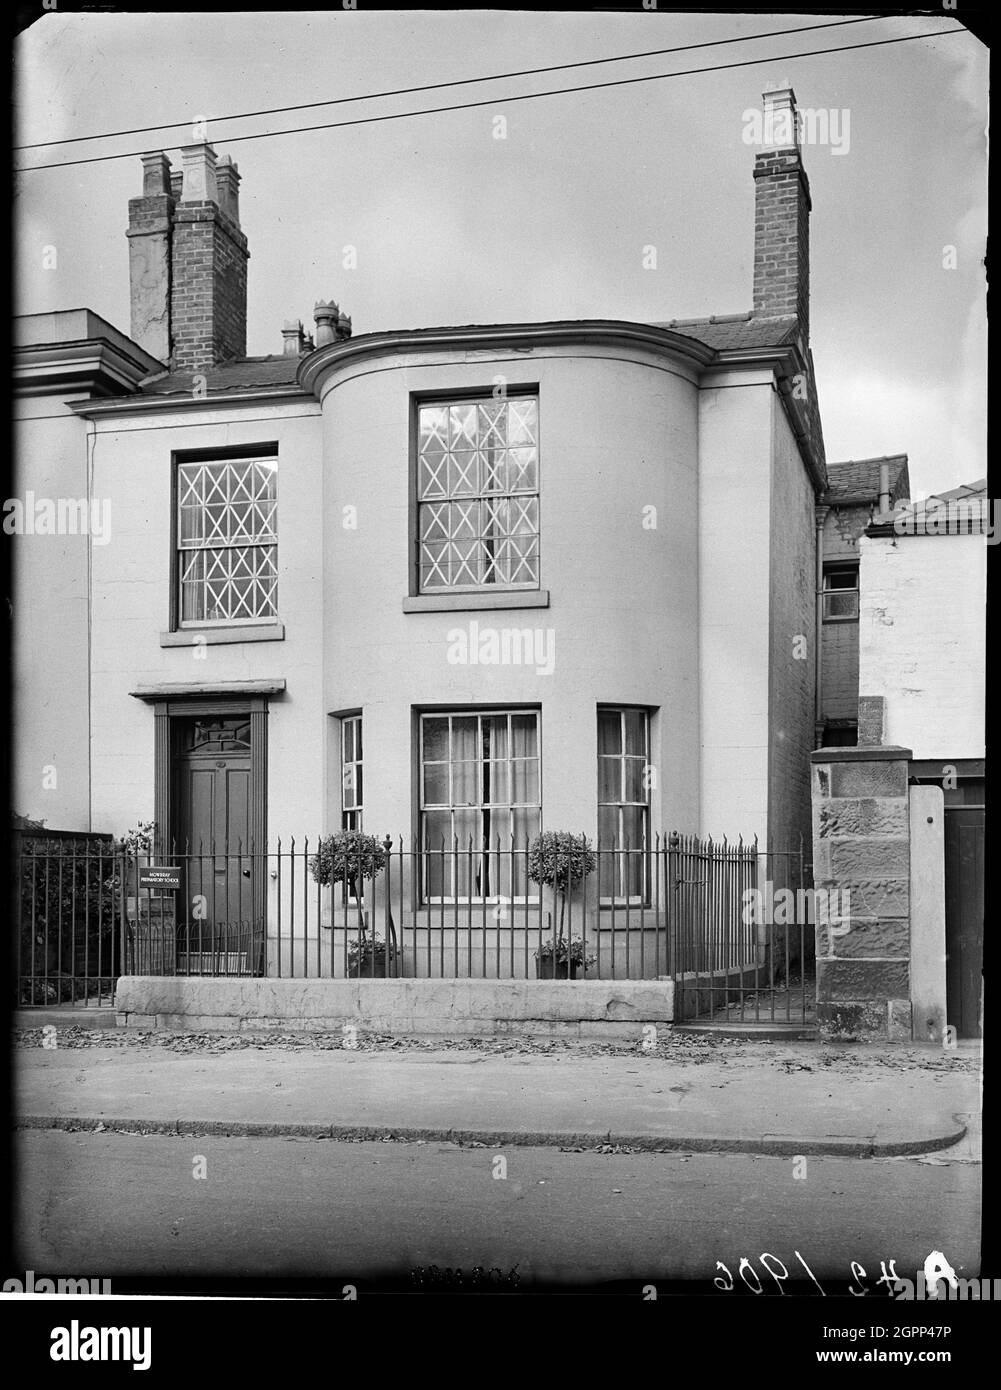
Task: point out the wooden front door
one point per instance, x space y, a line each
213 832
964 917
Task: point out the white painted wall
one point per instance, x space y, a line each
640 615
618 434
131 607
922 641
792 641
734 511
49 624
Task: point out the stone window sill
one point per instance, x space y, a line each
459 603
215 636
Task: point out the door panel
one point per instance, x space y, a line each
213 829
964 916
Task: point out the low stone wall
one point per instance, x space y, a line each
617 1009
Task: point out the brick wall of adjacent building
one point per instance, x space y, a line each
840 687
839 655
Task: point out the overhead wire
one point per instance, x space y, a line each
524 96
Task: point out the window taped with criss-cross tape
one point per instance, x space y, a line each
478 494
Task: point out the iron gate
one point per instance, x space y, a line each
742 932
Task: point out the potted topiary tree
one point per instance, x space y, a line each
558 860
351 857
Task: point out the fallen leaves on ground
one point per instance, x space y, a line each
690 1048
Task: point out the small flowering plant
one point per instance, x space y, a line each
564 951
137 842
370 956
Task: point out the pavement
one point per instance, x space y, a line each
688 1093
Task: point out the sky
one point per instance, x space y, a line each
452 224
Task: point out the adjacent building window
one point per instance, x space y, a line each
840 593
352 784
227 542
480 803
478 494
623 802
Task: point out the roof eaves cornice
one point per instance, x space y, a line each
501 337
160 405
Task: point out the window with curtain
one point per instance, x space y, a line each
479 798
478 494
227 542
623 802
352 787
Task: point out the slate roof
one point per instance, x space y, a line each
247 374
726 331
938 502
858 479
260 373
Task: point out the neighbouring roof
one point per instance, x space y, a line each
726 331
938 502
857 480
977 489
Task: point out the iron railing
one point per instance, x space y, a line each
66 912
448 912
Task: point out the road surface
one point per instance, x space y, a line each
102 1205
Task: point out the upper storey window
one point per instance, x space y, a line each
227 542
478 494
841 593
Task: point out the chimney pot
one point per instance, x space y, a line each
344 326
156 175
325 316
293 338
199 166
781 126
228 187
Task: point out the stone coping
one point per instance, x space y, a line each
862 754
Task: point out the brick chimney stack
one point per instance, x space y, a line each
188 261
782 215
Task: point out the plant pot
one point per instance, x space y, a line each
369 970
549 968
365 968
